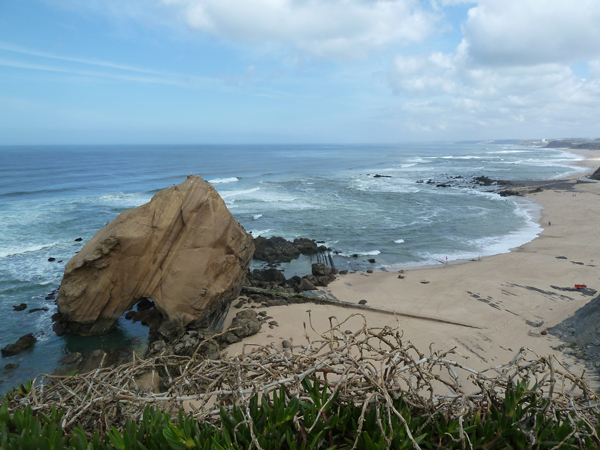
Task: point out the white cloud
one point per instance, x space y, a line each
339 28
522 32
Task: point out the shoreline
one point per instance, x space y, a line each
512 297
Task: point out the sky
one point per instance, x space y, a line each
297 71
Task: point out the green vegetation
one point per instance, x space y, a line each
521 420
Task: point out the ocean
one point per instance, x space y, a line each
52 195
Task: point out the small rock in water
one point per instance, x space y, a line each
130 315
362 302
23 343
37 309
372 260
51 259
71 358
10 366
20 307
78 239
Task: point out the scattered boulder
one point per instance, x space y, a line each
286 344
381 176
78 239
362 302
37 309
306 285
343 272
372 260
509 193
130 315
51 259
274 249
319 269
10 366
183 249
71 358
369 270
306 246
20 307
484 181
23 343
247 322
595 175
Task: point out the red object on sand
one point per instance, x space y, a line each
580 286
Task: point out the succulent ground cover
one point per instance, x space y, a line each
368 389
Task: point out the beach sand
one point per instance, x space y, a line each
506 300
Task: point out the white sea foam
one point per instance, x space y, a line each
224 180
257 216
405 166
13 251
121 199
257 233
399 241
362 253
231 194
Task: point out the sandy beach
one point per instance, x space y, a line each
500 303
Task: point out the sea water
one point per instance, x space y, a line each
52 195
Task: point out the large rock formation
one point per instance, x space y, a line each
184 250
596 175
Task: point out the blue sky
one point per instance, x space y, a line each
297 71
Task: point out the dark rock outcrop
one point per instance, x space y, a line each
184 250
23 343
20 307
274 249
596 175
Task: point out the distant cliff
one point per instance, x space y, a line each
575 144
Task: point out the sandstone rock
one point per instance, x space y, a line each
23 343
184 250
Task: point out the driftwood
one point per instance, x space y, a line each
372 366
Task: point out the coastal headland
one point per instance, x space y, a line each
505 302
